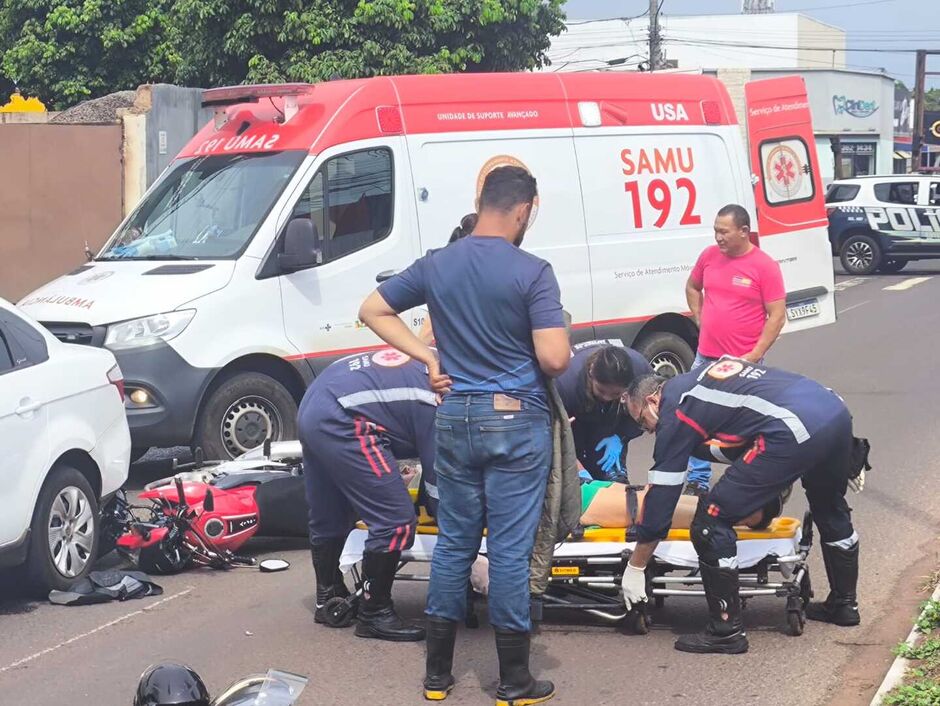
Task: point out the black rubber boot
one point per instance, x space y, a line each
517 687
377 616
438 680
724 633
841 606
325 555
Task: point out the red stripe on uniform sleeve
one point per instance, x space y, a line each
691 422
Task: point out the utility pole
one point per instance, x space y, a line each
656 59
920 76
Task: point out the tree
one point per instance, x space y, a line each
261 41
932 99
64 51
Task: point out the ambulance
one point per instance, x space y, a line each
240 274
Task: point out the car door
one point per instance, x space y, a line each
23 422
930 214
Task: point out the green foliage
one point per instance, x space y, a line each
932 99
929 616
923 692
925 650
65 51
258 41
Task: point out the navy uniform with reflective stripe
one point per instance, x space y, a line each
360 415
592 421
773 426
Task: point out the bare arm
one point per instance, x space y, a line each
695 299
776 317
643 553
553 350
385 323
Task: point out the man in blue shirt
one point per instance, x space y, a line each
774 427
361 414
500 332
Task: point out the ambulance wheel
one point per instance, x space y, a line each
668 354
338 612
241 412
889 267
860 254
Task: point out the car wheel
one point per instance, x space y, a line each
860 255
242 412
668 354
889 267
64 531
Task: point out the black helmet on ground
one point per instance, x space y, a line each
171 684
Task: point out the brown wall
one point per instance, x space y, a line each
60 186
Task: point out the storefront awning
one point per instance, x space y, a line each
902 155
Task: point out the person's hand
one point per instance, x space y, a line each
857 484
611 449
751 357
440 383
634 586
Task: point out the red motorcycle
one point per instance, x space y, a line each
203 517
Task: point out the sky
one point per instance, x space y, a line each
882 24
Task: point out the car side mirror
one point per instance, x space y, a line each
301 246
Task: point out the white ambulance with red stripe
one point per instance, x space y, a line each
240 274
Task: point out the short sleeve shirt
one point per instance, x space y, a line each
736 290
485 297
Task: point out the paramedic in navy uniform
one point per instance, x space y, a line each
778 427
357 417
500 331
591 389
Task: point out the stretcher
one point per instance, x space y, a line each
586 571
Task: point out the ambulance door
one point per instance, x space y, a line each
650 197
449 172
790 198
358 197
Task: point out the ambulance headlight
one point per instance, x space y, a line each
148 330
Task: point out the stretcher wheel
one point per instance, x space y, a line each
806 588
338 612
641 622
795 622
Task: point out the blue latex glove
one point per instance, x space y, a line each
611 450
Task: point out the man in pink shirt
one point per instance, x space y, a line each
737 298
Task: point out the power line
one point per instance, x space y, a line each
717 43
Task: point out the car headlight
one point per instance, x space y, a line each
148 330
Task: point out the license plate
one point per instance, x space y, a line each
565 571
803 309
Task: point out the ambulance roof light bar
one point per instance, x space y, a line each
229 95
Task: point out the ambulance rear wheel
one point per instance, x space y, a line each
668 354
860 255
241 412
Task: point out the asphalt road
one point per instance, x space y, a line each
880 357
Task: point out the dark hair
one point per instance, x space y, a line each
644 385
610 365
738 214
507 187
467 224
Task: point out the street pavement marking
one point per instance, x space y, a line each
105 626
848 283
906 284
854 306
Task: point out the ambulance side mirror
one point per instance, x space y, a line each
301 246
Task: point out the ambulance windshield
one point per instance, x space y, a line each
205 208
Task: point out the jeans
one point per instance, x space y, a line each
492 467
700 472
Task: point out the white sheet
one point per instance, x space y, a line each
750 551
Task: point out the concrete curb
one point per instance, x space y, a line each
900 665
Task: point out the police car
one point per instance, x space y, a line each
881 223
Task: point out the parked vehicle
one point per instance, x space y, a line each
66 449
239 276
880 223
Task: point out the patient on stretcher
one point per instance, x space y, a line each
604 504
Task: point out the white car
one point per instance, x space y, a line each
65 450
